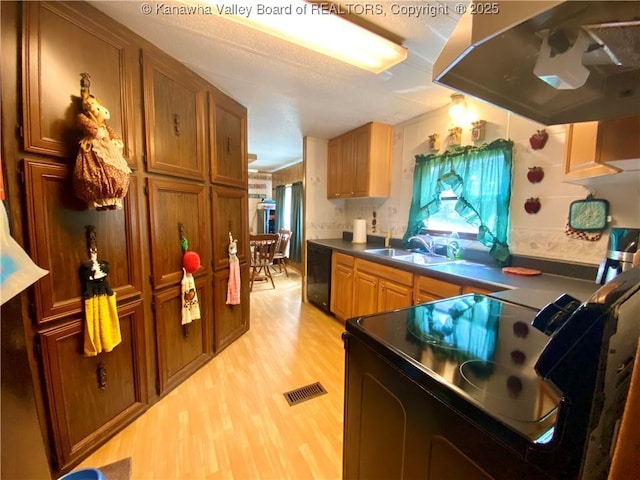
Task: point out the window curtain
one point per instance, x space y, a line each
280 190
481 179
295 246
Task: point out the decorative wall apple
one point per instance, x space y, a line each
535 174
539 139
532 205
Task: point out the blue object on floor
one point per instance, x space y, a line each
84 474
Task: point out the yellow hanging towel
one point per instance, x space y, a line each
102 329
102 326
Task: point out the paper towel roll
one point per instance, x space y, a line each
359 231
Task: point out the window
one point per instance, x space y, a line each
472 182
286 208
447 220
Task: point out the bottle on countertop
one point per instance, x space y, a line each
387 239
453 246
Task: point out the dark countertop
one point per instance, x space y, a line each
540 289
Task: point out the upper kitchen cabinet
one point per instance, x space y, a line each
228 131
59 43
174 109
359 162
595 150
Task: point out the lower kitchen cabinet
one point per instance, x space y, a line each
428 289
90 398
182 349
342 285
229 321
379 288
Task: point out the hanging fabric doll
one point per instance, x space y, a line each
233 287
190 305
102 326
101 173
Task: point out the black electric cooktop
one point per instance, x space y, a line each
481 349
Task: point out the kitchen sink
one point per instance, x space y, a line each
410 257
424 259
388 252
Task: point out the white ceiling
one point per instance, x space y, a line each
291 92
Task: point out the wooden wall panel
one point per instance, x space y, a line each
231 321
82 409
57 222
59 43
174 103
181 349
230 212
171 203
228 134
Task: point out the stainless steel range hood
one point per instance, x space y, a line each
493 56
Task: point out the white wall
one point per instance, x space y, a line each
323 218
541 235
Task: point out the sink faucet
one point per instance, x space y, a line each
425 240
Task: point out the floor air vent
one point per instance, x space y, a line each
304 393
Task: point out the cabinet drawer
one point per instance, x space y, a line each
478 290
389 273
342 259
437 287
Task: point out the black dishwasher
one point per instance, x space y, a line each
319 275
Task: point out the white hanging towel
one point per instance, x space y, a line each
190 305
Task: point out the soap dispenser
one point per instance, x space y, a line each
387 239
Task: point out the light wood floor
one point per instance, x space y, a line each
230 420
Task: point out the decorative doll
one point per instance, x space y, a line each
101 173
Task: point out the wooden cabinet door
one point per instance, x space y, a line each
342 286
92 398
171 204
347 166
228 137
365 293
182 349
334 168
229 210
174 109
57 39
393 296
619 139
57 223
229 321
360 167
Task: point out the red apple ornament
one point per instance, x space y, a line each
191 261
532 205
535 174
539 139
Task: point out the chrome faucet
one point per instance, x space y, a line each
425 240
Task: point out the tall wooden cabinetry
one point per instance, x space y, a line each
186 144
359 163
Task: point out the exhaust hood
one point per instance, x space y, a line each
551 61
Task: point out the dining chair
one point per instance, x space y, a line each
282 254
263 248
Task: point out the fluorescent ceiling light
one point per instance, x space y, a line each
307 25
